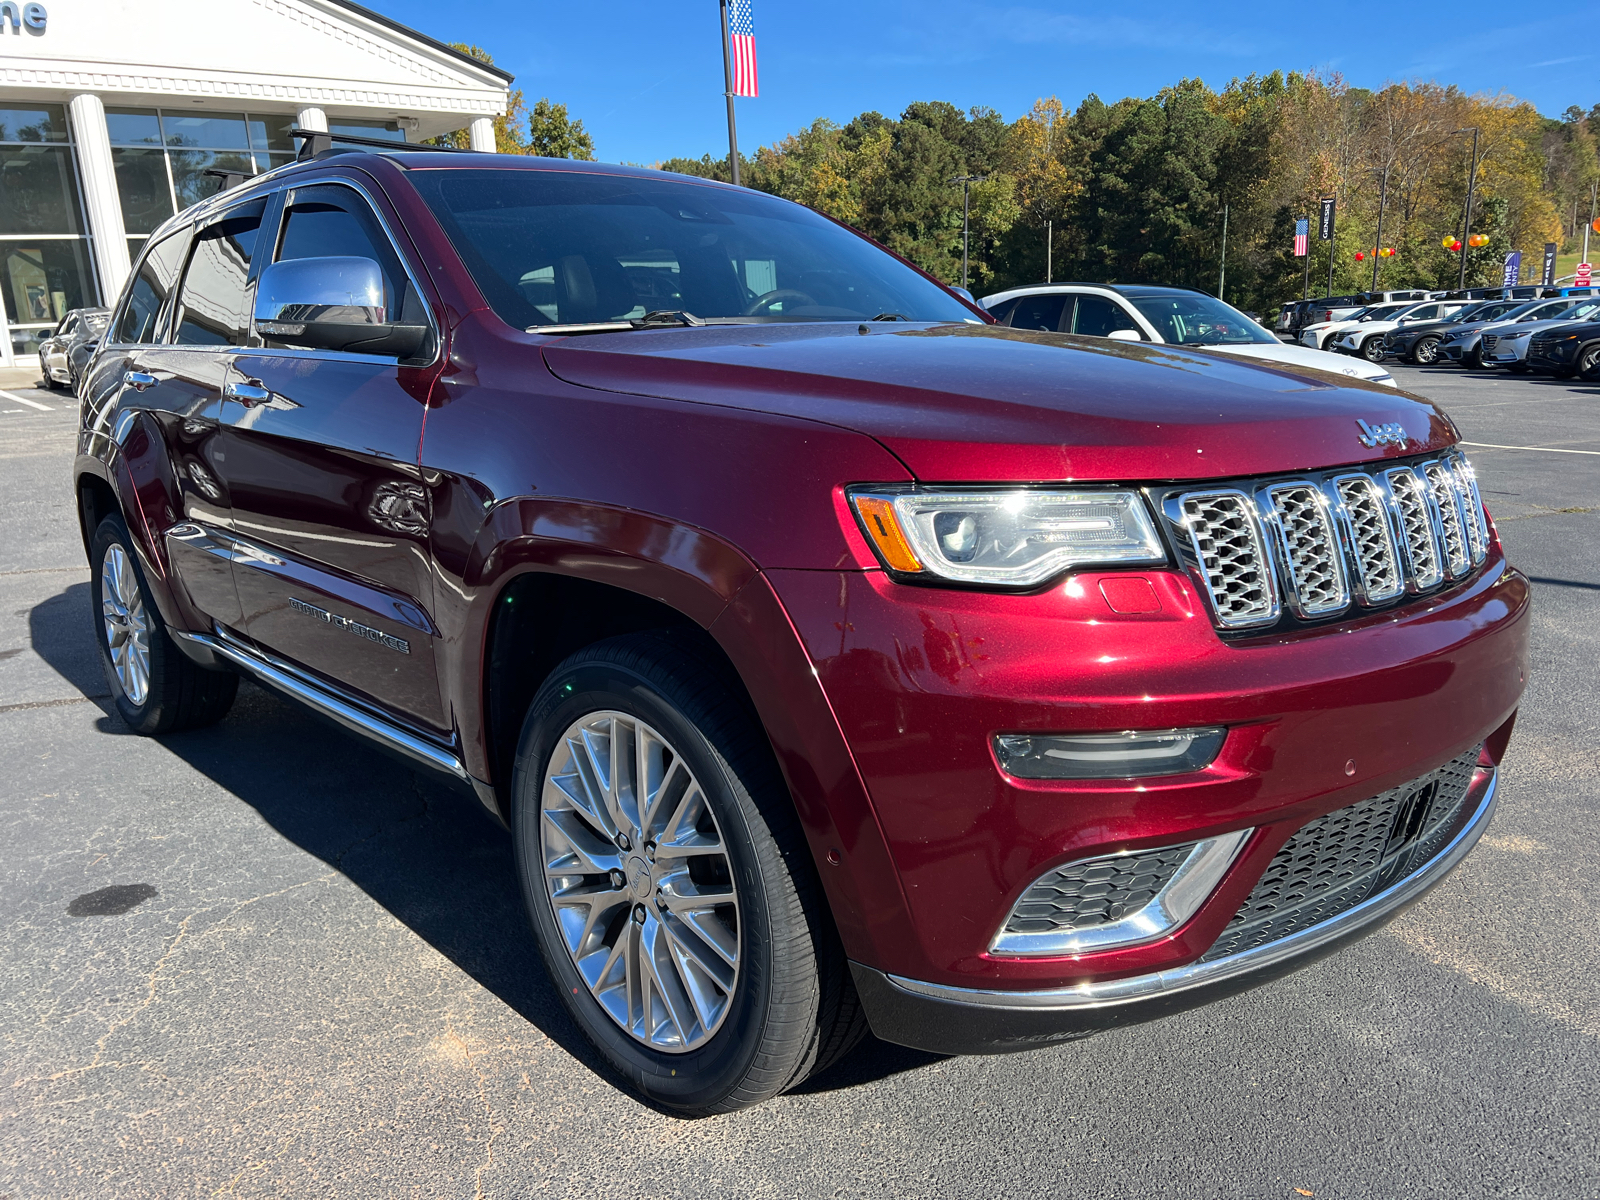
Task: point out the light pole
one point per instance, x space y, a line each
966 182
1472 178
1383 198
1590 225
1222 273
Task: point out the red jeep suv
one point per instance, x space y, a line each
836 658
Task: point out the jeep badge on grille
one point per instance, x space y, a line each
1391 433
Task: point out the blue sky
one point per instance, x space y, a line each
647 77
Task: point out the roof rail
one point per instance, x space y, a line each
319 141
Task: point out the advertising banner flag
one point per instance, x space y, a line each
1325 229
742 39
1302 234
1513 269
1549 276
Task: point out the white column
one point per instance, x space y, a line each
101 200
312 118
481 135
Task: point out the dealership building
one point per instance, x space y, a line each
112 112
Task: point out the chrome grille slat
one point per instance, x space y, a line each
1310 547
1416 528
1371 539
1227 542
1441 488
1466 483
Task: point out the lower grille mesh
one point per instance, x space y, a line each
1095 891
1336 861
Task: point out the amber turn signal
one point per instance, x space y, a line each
883 527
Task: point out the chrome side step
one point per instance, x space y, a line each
296 685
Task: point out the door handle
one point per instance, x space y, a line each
247 394
138 380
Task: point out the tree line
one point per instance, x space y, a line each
1134 191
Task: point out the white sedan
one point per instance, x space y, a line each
1172 316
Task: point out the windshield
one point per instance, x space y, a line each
557 248
1195 319
1583 308
1389 312
1542 311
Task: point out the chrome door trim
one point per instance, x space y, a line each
351 714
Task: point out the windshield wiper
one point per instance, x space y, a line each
666 316
889 316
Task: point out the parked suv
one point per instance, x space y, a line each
835 657
63 353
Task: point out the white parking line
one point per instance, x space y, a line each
24 400
1545 449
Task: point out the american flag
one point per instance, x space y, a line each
742 38
1302 233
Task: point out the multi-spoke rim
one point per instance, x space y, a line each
639 880
127 628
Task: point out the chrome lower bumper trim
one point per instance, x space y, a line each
287 679
1262 960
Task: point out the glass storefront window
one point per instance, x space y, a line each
33 123
266 162
272 133
189 180
205 131
133 126
143 187
41 280
38 190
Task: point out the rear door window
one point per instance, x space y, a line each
1038 312
212 309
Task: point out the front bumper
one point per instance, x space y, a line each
955 1020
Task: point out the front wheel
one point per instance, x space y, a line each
1589 361
1426 352
155 687
1372 349
668 883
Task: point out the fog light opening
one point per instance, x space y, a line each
1131 754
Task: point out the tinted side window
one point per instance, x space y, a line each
1002 310
1038 312
150 288
1097 317
213 299
335 222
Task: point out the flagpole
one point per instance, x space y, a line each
727 78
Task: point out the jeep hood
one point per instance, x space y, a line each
978 403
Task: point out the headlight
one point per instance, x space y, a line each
1006 538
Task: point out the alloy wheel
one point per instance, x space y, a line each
1589 362
1427 351
127 628
638 876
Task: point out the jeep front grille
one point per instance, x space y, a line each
1335 862
1321 544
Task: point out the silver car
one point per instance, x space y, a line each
1506 345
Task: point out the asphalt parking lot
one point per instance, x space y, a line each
325 986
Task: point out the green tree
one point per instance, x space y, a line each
552 134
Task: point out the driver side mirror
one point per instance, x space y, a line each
333 304
1125 335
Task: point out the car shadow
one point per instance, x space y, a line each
427 853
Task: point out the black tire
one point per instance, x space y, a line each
793 1009
1372 349
1588 361
179 694
1426 352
